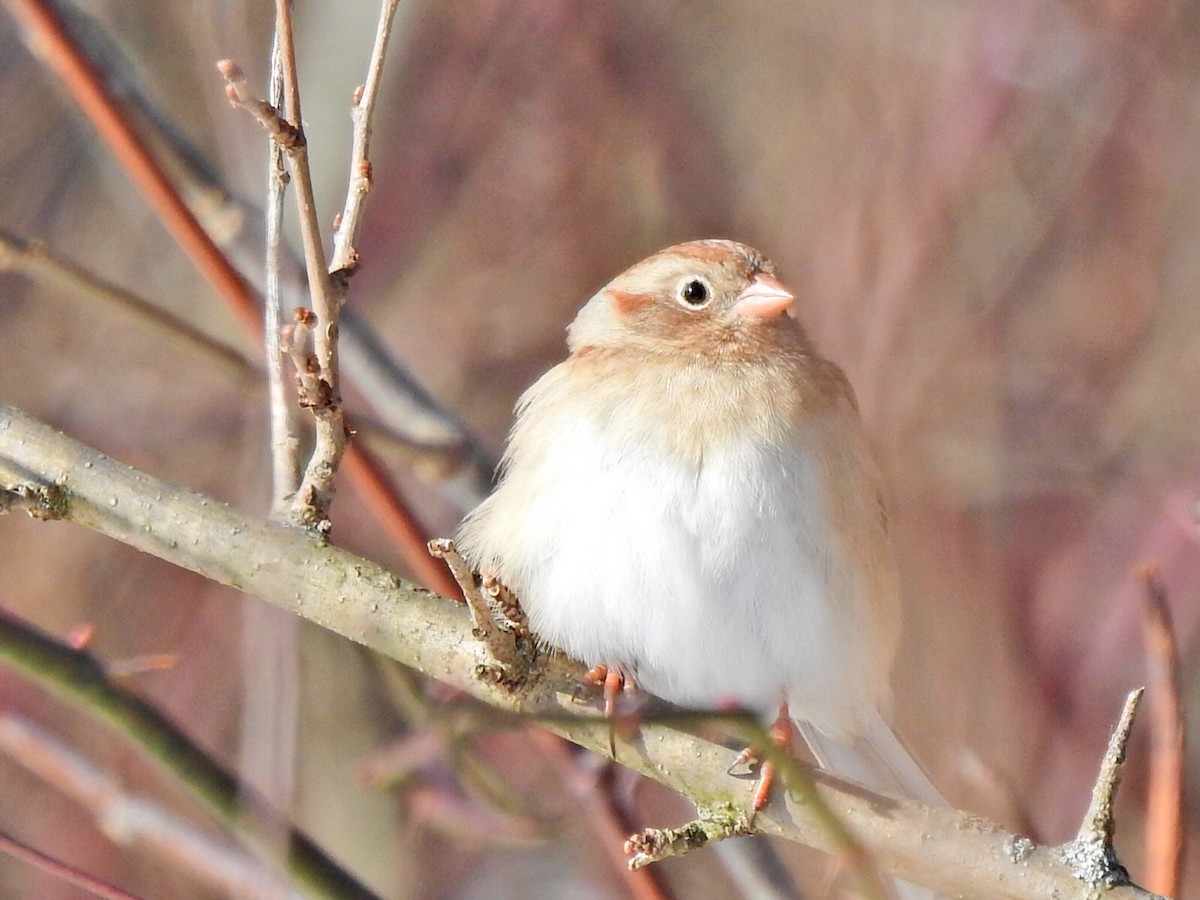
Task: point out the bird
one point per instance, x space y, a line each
688 502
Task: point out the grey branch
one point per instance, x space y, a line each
953 852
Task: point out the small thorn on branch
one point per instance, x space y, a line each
656 844
288 136
1091 856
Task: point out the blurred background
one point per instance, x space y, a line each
990 210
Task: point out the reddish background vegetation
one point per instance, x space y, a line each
990 211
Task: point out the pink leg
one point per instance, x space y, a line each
781 732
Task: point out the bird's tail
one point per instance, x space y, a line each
877 760
880 761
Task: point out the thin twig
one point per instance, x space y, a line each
60 870
311 504
314 391
1164 804
285 442
235 225
133 821
34 260
266 113
505 603
270 638
76 677
717 823
320 385
345 260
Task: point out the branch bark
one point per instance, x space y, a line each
953 852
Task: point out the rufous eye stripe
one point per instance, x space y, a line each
626 303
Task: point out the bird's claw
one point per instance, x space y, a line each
614 681
781 733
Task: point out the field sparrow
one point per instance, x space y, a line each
689 499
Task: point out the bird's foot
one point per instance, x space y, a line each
614 681
781 732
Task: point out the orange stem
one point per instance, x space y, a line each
1164 812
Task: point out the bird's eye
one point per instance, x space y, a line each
694 292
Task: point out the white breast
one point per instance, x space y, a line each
715 581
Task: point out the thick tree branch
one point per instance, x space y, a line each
953 852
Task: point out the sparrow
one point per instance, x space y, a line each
689 501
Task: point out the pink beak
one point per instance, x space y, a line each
764 298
